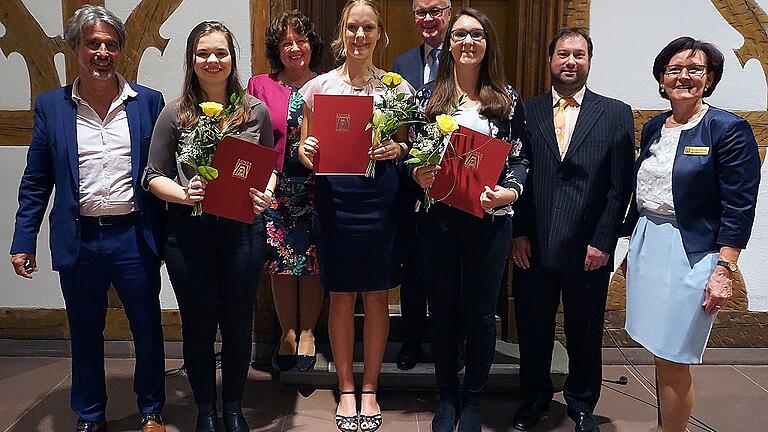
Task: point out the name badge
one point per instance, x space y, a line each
696 151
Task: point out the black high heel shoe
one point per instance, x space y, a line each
347 423
370 423
207 419
234 421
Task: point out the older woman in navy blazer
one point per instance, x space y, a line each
696 183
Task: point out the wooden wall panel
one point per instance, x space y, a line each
15 127
260 19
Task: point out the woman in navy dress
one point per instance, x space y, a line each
356 219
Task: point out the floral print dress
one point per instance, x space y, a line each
290 250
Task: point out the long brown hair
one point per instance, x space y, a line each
337 45
491 84
192 94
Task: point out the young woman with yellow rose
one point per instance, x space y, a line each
214 263
465 256
356 219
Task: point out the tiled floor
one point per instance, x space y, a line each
34 396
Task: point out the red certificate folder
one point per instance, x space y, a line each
472 161
338 123
242 165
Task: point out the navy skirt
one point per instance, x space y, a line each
355 226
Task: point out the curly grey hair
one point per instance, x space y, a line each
89 15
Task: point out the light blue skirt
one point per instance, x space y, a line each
665 290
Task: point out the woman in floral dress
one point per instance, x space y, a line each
292 47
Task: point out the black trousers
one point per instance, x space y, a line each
464 263
537 294
215 266
413 295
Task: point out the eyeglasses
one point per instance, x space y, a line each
459 35
287 45
434 12
694 70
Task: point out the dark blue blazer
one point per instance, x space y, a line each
714 194
580 200
410 65
52 162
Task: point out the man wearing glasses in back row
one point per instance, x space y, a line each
418 66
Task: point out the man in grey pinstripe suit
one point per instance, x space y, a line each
566 227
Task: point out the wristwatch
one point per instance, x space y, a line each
730 265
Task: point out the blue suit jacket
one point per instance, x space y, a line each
52 162
714 194
410 65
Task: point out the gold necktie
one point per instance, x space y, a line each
560 125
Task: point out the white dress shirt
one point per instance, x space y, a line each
571 112
104 155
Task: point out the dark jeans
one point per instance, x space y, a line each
116 254
215 266
464 262
537 296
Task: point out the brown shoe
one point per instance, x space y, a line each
152 423
91 426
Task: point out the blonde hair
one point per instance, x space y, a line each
337 45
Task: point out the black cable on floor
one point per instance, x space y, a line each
693 421
183 370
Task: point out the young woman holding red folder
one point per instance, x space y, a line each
464 255
214 263
355 220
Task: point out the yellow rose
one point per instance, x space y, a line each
446 124
211 109
378 118
392 79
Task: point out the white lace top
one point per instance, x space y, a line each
654 178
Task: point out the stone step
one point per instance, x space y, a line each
503 376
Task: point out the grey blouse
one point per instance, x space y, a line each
166 141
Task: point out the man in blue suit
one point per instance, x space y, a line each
418 66
90 142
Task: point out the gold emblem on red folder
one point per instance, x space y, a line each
242 168
473 159
343 122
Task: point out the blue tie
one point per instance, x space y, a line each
434 54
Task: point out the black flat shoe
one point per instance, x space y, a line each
408 356
585 422
234 421
284 363
530 412
305 362
207 419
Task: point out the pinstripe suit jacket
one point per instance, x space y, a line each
581 200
